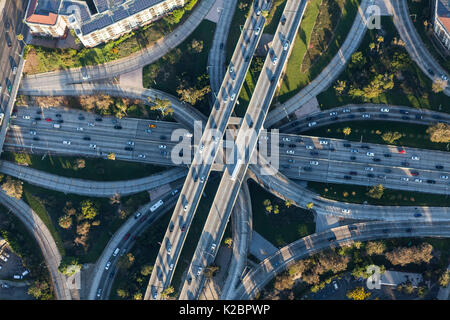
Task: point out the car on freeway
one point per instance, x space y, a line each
371 175
404 111
91 124
387 155
118 127
38 118
87 138
323 141
346 210
354 150
36 138
352 158
93 146
405 163
370 154
444 177
418 180
384 110
400 150
202 179
32 132
430 181
309 147
171 267
99 292
81 117
353 173
213 247
257 30
98 119
26 117
108 264
183 228
128 148
171 226
307 168
199 271
314 153
311 124
387 170
126 236
66 142
334 113
347 145
366 115
376 159
414 173
405 179
347 177
286 45
142 156
408 230
351 227
346 110
439 167
314 163
162 146
430 72
130 143
274 60
290 151
417 215
368 168
417 158
444 77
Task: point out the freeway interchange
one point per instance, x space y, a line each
63 131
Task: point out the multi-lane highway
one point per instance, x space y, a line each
257 278
206 152
245 144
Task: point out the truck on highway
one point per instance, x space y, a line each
236 169
156 206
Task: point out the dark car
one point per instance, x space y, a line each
361 109
8 39
171 227
59 121
405 118
36 138
281 145
365 147
370 175
307 168
38 118
353 173
117 126
438 166
405 163
128 148
408 230
87 138
221 45
419 116
351 116
314 153
431 181
347 145
291 160
352 158
299 140
98 119
183 228
403 111
163 137
126 236
332 149
387 170
347 178
436 116
376 159
387 155
385 230
383 115
331 239
81 117
58 115
292 146
352 228
417 215
39 112
430 72
335 118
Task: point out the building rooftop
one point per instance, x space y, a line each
43 11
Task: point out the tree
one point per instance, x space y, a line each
268 205
196 46
438 85
115 199
310 205
40 290
358 59
228 242
137 296
126 261
375 248
65 221
358 294
13 188
340 86
376 192
414 254
192 95
288 203
347 131
80 163
167 292
276 210
372 46
122 293
391 137
69 266
111 156
89 209
211 271
146 270
162 105
439 132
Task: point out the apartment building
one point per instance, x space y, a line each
112 18
441 22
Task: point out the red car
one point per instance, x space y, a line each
400 150
126 236
143 218
183 228
48 119
414 173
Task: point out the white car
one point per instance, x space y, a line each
202 179
405 179
26 117
366 115
216 140
286 139
286 45
93 146
213 247
370 154
418 180
323 141
162 146
415 158
444 177
130 143
99 293
309 147
231 69
345 210
368 168
66 142
199 271
346 110
33 133
188 135
314 163
142 156
4 258
290 151
90 124
108 264
257 30
169 249
384 110
79 129
233 96
185 208
274 61
171 267
311 124
334 113
201 147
